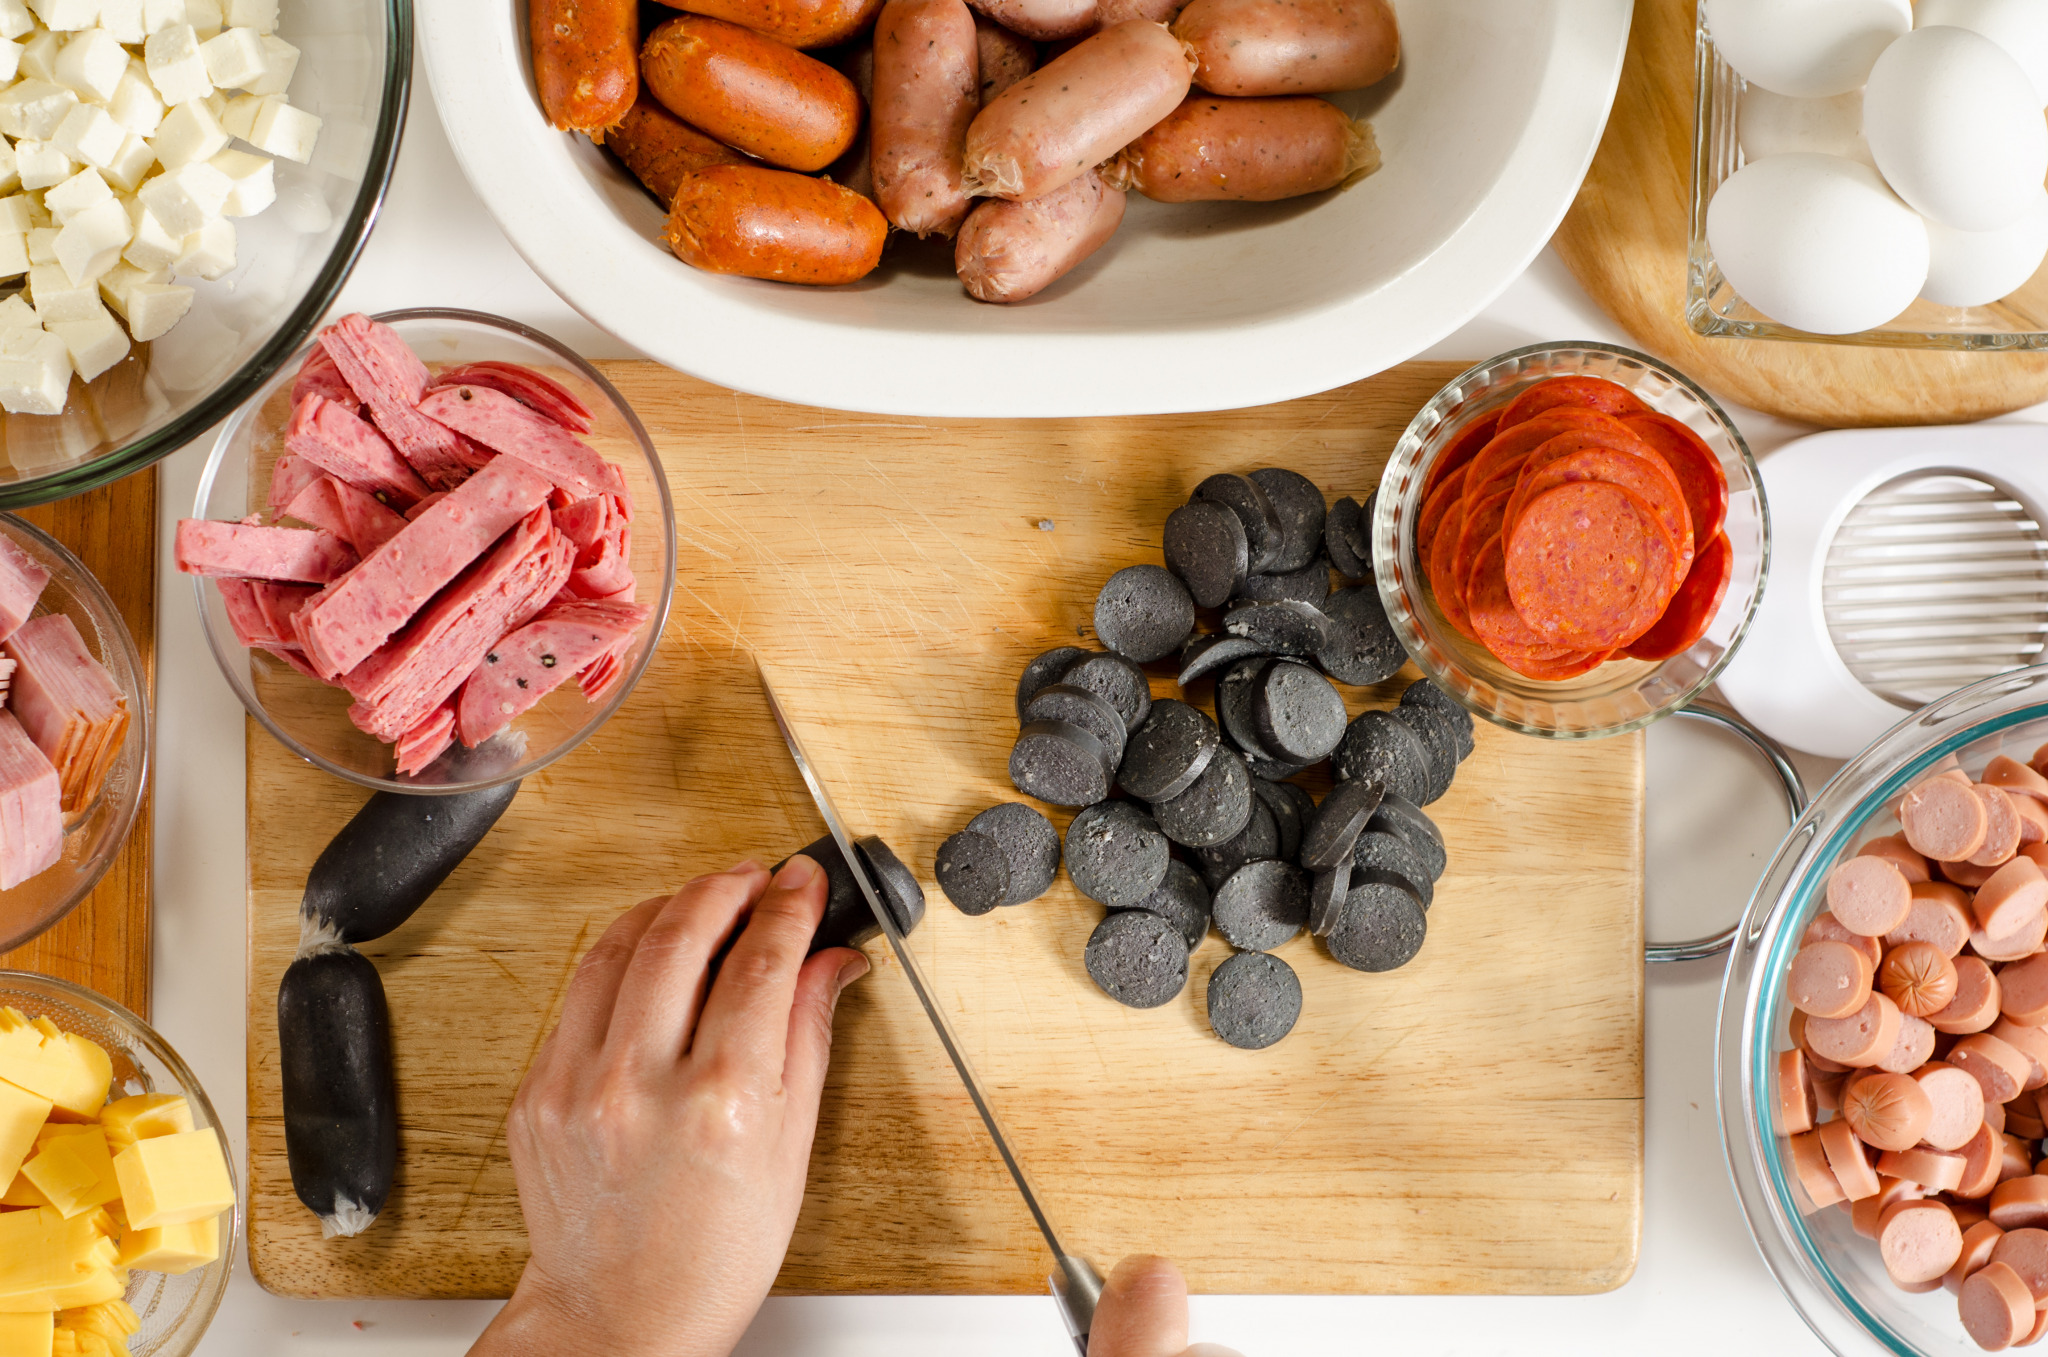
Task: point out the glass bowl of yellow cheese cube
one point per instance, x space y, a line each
117 1228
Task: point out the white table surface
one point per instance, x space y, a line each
1714 818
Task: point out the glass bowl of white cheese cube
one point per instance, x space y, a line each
184 186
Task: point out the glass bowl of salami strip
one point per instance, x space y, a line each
434 553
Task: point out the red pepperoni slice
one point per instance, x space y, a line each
1444 582
1433 510
1589 393
1460 450
1691 610
1694 464
1589 566
1648 477
1572 664
1527 436
1496 623
1484 519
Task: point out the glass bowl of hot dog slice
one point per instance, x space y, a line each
434 553
1571 539
1883 1041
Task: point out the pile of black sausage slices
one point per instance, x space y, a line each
1210 828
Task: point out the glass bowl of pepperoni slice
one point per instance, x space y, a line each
1571 539
1883 1041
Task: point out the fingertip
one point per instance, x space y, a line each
797 873
1143 1311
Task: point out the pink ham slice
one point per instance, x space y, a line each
21 584
584 521
423 744
429 502
31 809
547 396
362 521
609 573
505 426
528 664
68 703
598 680
243 615
336 441
289 475
294 657
318 376
389 378
342 627
279 603
244 550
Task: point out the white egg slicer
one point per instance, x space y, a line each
1905 563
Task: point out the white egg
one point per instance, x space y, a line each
1806 48
1976 268
1768 123
1817 242
2019 26
1954 125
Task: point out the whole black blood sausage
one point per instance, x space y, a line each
1115 854
1339 821
1382 928
1377 748
1284 628
1164 756
1206 547
1144 612
1298 715
1286 812
1433 728
1423 693
1182 899
1118 681
340 1094
1060 763
1405 820
1361 647
1391 856
1338 531
896 883
391 855
1045 670
1078 707
1205 654
1326 896
1310 585
1261 905
1031 847
1262 529
1299 502
1254 1000
973 871
1214 808
1260 838
1138 958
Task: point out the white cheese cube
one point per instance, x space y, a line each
116 281
188 133
91 242
260 15
34 108
82 190
216 102
15 20
16 314
123 19
38 215
283 130
88 134
42 244
10 60
129 165
159 14
35 373
41 164
154 308
209 252
152 247
186 198
67 16
135 105
13 254
238 119
92 64
15 214
10 174
171 55
233 59
254 186
95 344
39 55
204 16
56 297
280 63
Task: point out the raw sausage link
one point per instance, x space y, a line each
1005 57
1110 13
1247 150
763 223
584 61
1076 111
1044 20
927 90
660 148
1009 251
751 92
1290 46
800 23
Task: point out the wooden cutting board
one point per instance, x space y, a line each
104 943
1625 240
1472 1123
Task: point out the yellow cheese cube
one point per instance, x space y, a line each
62 1066
98 1287
142 1116
169 1180
75 1172
172 1248
23 1192
27 1335
43 1256
22 1114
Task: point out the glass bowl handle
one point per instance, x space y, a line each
1699 949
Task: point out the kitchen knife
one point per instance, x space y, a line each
1075 1284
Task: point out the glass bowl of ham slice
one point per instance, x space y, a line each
74 731
435 551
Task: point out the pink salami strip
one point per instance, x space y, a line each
289 475
389 378
606 576
318 376
336 441
423 744
207 547
532 662
279 603
21 584
584 521
601 677
68 703
504 425
317 506
369 522
31 814
547 396
344 626
251 627
294 657
429 502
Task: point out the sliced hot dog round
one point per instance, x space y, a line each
1888 1111
1894 846
751 92
1795 1094
1849 1160
2017 945
1934 1170
1978 1242
1868 896
1831 980
2015 776
2020 1203
1810 1166
1251 47
2001 828
585 61
2029 1040
763 223
2023 991
1958 1103
1827 928
1919 1241
1996 1307
1914 1048
1940 914
2016 1159
927 90
1918 977
1862 1038
1076 111
1246 150
1975 1006
1983 1163
1818 1064
1944 819
2010 897
1009 251
2025 1251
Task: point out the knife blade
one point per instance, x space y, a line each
1074 1282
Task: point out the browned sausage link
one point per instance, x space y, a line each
1246 150
1251 47
1009 251
800 23
584 61
763 223
660 148
1004 57
1045 20
751 92
926 92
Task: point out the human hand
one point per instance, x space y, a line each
661 1137
1144 1313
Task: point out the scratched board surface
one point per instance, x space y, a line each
1471 1123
